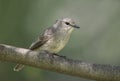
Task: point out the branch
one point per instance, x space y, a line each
59 64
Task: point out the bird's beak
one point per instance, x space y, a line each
75 26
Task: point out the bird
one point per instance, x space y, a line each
53 39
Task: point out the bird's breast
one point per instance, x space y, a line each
55 44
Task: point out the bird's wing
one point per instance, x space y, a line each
47 34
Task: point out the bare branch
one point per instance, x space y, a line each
59 64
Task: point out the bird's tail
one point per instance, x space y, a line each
18 67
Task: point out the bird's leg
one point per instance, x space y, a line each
59 55
52 55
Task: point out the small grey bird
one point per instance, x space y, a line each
53 38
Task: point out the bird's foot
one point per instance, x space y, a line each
59 55
52 55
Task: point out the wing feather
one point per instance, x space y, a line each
47 34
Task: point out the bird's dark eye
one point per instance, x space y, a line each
67 23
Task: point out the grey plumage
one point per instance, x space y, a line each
53 38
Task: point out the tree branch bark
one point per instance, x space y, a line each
59 64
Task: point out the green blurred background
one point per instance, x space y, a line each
97 41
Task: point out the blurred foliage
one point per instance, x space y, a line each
21 21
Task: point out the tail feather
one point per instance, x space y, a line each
18 67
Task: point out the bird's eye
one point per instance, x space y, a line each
67 23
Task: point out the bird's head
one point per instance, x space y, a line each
66 24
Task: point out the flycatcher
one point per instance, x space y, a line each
53 39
